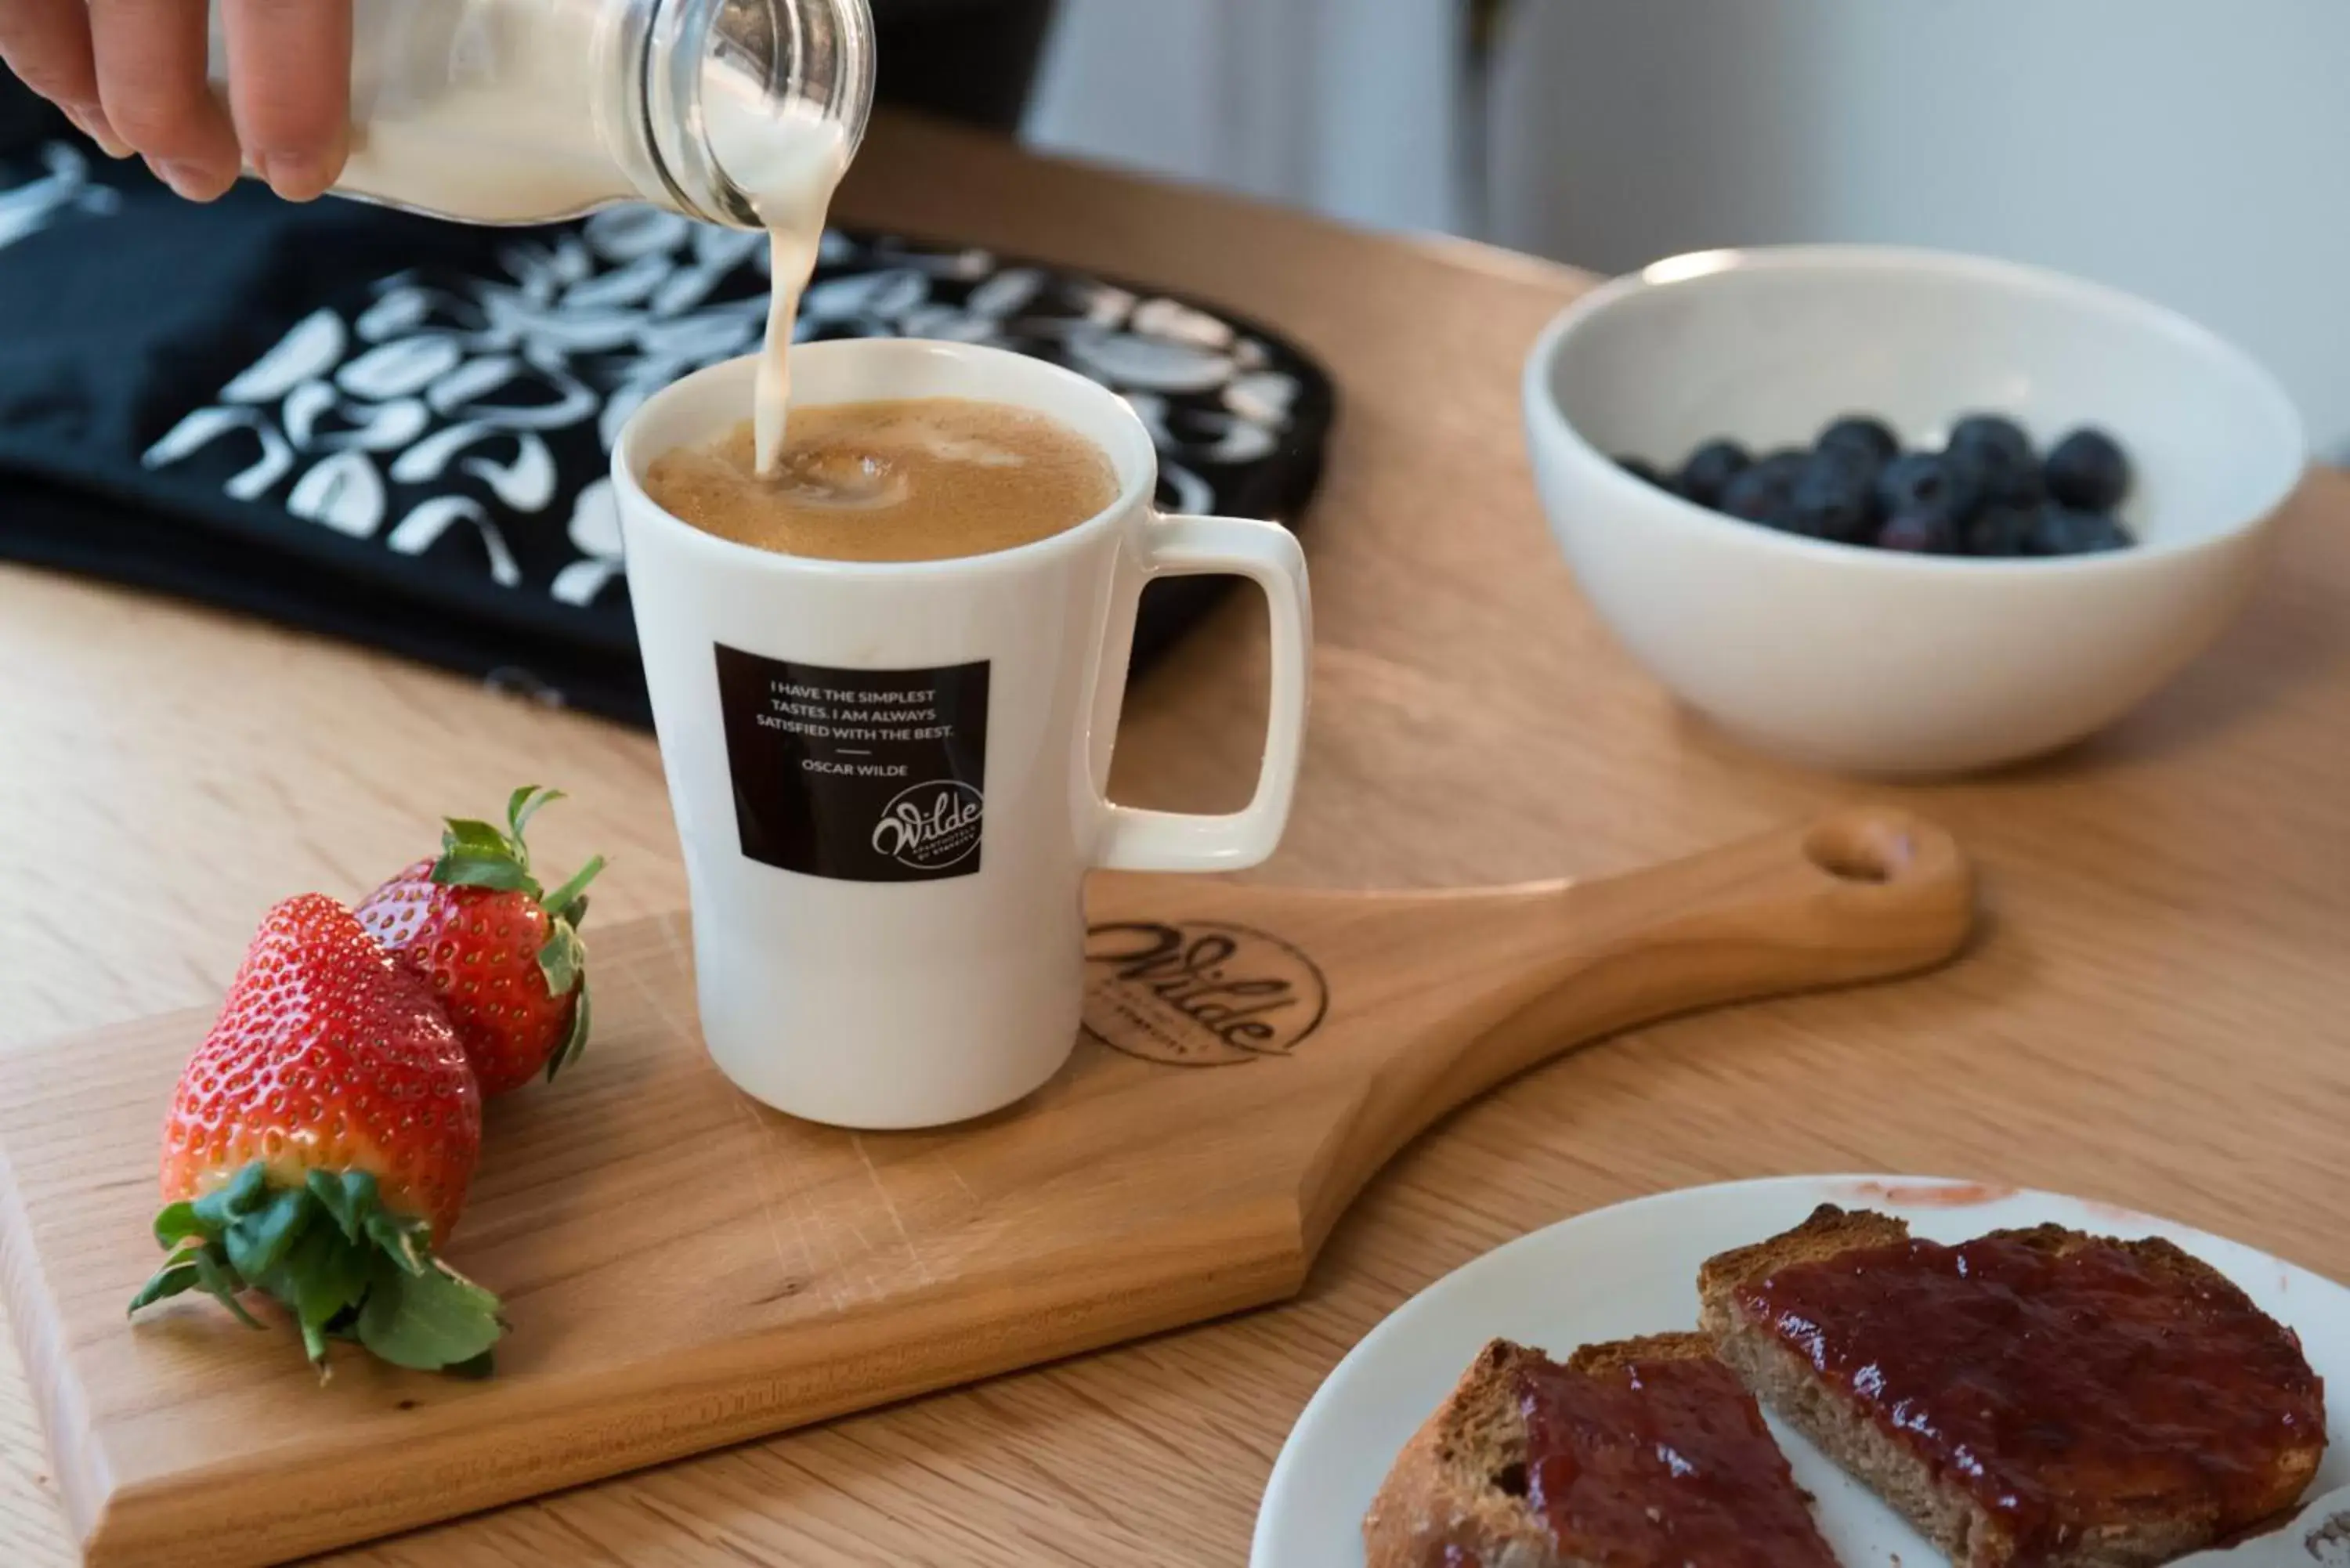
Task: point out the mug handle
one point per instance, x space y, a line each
1267 555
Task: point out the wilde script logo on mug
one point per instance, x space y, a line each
940 834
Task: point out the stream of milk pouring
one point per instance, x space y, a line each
788 157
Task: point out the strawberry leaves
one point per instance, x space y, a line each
324 1277
259 1241
342 1263
220 1282
476 854
562 958
575 1041
429 1321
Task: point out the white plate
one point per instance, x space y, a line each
1632 1270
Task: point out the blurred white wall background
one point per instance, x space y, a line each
1353 108
2194 150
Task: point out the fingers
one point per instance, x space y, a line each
289 72
131 74
47 44
150 56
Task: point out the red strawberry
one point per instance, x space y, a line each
504 957
320 1142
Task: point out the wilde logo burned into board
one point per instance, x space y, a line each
1199 993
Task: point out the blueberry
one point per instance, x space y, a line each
1970 473
2108 534
1754 496
1834 498
1709 470
2063 531
1929 482
1993 474
1763 492
2087 471
1999 530
1641 468
1850 456
1928 532
2017 487
1994 433
1859 434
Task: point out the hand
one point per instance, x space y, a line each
131 73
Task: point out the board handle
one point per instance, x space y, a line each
1863 893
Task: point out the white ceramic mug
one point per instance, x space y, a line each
890 778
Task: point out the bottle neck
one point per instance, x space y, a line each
713 92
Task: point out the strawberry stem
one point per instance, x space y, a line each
342 1265
566 902
524 804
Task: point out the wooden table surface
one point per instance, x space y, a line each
2154 1013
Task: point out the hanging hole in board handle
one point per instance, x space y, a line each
1875 848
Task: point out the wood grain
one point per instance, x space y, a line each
685 1269
2152 1015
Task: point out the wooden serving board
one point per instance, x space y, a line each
686 1269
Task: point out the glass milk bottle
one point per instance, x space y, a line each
740 112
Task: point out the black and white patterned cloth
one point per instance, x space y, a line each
397 431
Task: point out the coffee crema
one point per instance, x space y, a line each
915 479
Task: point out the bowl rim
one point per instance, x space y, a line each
1692 269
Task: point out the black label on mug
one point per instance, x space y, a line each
862 776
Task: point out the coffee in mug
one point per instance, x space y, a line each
914 479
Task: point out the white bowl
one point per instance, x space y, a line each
1874 661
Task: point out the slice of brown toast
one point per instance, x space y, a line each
1460 1494
2083 1485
